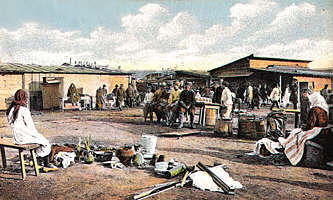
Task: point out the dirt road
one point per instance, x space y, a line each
260 178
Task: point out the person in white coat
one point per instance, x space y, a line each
275 96
23 127
226 100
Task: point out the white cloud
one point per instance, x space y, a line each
245 14
291 23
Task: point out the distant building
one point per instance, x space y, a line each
262 70
33 78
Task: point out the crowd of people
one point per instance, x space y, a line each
172 103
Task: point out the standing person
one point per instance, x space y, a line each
324 92
23 127
213 93
226 100
255 98
120 96
218 93
263 94
186 104
275 96
148 108
104 91
114 95
249 95
115 90
129 95
286 97
305 106
99 96
240 93
104 94
294 93
318 114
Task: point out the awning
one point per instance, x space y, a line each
235 75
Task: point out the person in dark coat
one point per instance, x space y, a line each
294 93
255 100
120 96
186 104
218 93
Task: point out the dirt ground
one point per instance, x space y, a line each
259 177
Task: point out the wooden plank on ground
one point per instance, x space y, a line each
180 134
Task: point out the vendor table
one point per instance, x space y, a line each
203 111
295 111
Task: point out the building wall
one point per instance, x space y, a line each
9 84
240 66
318 83
89 82
265 63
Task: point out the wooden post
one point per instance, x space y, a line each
34 160
3 156
22 164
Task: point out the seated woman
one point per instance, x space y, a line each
23 128
318 117
318 114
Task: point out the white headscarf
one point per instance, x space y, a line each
317 100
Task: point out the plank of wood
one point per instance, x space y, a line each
180 134
7 142
3 156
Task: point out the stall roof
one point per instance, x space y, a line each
296 71
16 68
196 74
235 74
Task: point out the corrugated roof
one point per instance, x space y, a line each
17 68
296 71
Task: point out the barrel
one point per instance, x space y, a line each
210 117
260 129
223 127
246 128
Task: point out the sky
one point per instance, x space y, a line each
165 34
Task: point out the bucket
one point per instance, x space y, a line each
210 117
148 143
223 127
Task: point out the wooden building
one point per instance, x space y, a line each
199 79
262 70
36 78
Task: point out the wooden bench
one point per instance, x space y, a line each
7 142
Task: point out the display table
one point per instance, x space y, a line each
204 106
